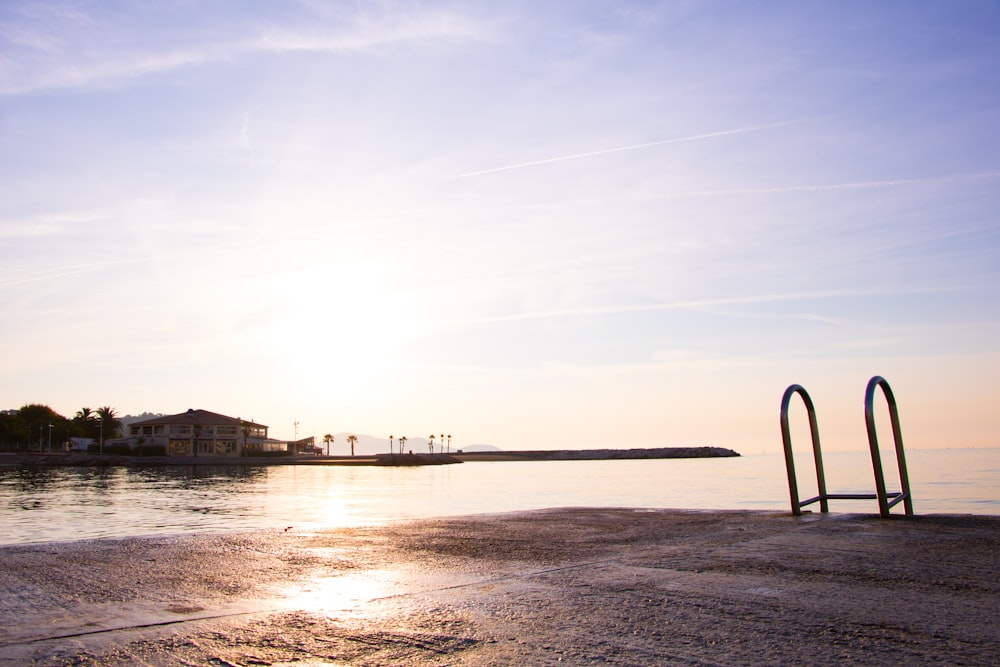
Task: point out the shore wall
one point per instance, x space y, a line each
42 459
599 454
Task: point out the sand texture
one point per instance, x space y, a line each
567 586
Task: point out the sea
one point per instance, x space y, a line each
68 504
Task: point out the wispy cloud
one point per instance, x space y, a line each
40 58
245 135
63 69
632 147
46 225
695 304
367 31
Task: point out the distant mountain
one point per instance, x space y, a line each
131 419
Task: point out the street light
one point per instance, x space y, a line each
50 438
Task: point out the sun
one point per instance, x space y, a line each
339 323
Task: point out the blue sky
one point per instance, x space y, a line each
526 224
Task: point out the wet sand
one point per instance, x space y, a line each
567 586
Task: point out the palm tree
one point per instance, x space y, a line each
110 423
327 439
402 441
195 438
245 426
441 443
86 421
390 444
430 443
449 443
352 439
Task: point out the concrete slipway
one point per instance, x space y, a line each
565 586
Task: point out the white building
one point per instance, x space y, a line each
200 432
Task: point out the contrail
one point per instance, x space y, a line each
823 187
620 149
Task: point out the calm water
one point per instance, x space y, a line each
79 503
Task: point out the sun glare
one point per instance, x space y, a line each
340 594
339 324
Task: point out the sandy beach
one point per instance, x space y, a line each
565 586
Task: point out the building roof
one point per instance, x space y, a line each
199 417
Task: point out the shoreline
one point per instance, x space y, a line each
582 586
54 459
599 454
45 459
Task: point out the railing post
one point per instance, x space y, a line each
786 439
904 481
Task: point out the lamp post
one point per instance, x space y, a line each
50 438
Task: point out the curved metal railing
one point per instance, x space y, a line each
883 497
904 481
786 439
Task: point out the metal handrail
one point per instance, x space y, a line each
786 439
904 481
884 504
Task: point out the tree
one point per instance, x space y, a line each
36 419
430 443
449 443
390 444
110 423
196 436
13 430
85 416
402 441
85 423
245 427
352 439
327 439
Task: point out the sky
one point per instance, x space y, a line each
531 225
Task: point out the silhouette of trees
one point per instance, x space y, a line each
245 427
352 439
30 425
430 443
88 423
402 441
110 424
327 439
196 436
390 444
86 418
